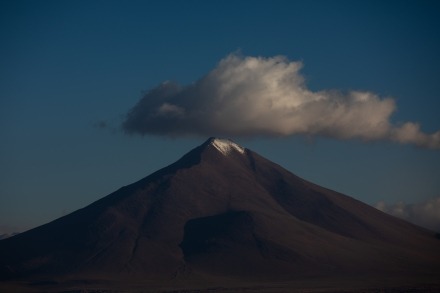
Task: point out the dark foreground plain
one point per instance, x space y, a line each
312 285
223 219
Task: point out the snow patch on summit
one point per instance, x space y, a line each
225 146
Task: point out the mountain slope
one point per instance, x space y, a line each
222 210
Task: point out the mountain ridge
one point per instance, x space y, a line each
222 210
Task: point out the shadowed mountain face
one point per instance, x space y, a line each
222 210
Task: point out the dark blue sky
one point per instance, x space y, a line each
67 65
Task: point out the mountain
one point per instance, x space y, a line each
223 212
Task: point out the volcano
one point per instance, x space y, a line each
224 215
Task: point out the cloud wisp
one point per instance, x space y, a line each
256 96
425 214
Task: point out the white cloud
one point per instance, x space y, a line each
170 110
425 214
247 96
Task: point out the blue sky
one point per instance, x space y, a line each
66 66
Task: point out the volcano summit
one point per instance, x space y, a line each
223 216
